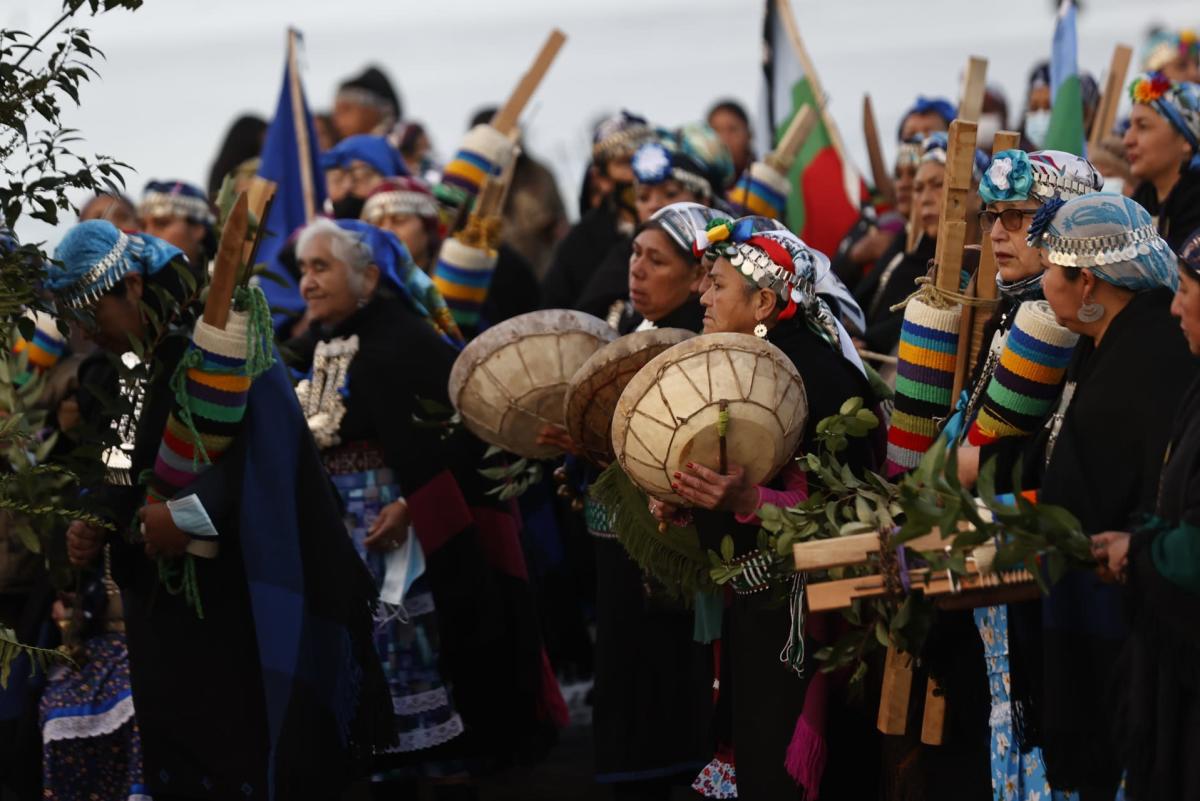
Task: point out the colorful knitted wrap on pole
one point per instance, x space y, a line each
924 381
211 384
1026 382
463 276
43 351
484 151
760 190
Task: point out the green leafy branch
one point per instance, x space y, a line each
513 478
39 658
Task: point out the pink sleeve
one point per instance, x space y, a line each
795 484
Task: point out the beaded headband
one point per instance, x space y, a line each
1091 251
384 204
622 143
166 204
908 154
365 97
1048 183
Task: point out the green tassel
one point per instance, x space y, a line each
260 333
675 558
178 576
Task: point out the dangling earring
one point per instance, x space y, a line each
362 303
1090 312
760 331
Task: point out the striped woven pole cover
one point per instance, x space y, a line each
43 351
1028 377
211 386
760 190
484 151
463 275
924 381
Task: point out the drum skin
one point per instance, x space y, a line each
510 380
592 397
667 415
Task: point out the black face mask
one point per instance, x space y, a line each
348 208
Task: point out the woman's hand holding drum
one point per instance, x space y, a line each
708 489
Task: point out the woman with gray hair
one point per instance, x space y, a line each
414 509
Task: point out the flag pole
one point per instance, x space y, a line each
784 8
303 146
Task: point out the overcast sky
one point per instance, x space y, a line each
179 71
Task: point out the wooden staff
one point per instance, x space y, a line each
505 119
300 126
933 723
780 159
228 264
970 106
956 189
260 195
879 170
1110 101
985 281
914 226
784 9
895 692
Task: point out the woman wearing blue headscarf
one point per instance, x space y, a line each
1162 146
455 627
1109 278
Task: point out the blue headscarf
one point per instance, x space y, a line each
398 270
95 255
926 105
371 150
1179 103
1109 234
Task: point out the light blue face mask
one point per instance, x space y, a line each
1037 125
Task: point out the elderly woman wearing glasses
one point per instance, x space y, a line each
1013 188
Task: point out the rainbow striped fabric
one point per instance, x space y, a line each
924 382
761 190
463 275
1028 377
43 351
484 151
211 386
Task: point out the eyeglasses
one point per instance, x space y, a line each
1011 219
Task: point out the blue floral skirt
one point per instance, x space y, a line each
92 749
406 636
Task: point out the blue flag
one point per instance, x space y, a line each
1066 118
281 163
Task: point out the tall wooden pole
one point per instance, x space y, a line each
1110 101
300 125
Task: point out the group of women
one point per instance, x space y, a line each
1092 690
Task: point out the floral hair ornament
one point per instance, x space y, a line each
1179 103
1015 175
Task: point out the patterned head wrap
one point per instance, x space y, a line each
619 135
909 152
1178 102
935 146
693 156
1166 46
95 255
1015 175
1189 254
685 223
176 199
774 259
929 105
400 195
1111 235
375 151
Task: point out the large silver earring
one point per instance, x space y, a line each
760 331
1090 312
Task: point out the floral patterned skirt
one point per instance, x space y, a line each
406 636
92 749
